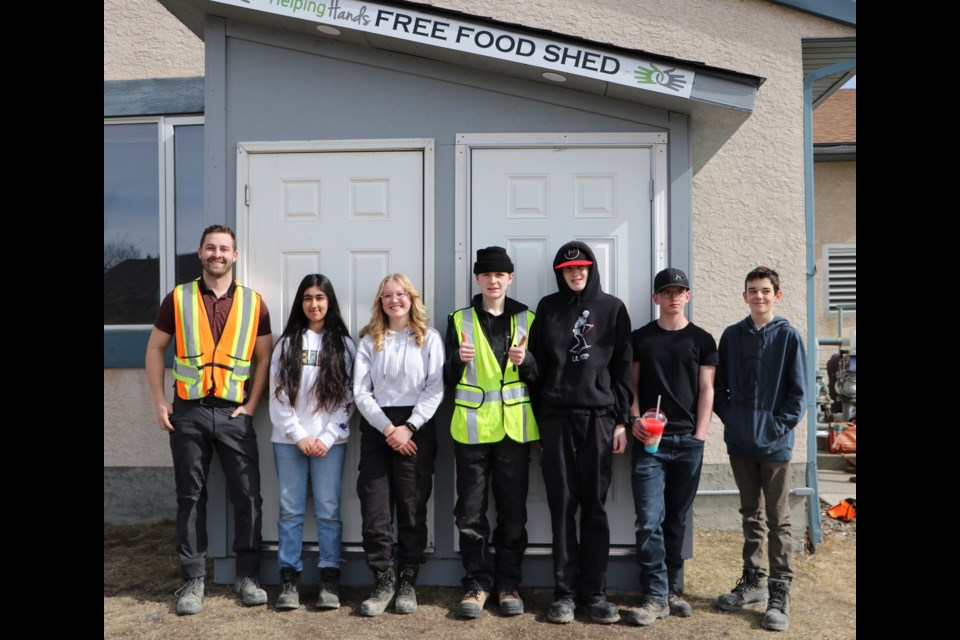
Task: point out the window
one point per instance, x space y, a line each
840 277
152 213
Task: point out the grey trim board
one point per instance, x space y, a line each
154 97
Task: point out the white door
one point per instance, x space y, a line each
352 216
534 200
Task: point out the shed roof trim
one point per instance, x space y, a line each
476 38
494 46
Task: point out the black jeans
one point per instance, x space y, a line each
389 480
505 465
199 431
577 467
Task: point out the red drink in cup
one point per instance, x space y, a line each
653 422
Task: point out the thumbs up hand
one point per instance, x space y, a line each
467 350
518 353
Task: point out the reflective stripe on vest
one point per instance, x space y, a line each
491 403
200 366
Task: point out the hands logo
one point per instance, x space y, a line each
663 77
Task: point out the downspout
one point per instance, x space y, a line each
813 507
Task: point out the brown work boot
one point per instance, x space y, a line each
471 606
510 602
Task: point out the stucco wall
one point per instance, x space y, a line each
131 437
836 206
143 40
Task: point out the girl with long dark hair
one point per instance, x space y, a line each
311 400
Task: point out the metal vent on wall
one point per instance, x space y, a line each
841 276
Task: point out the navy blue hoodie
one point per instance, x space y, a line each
761 389
581 343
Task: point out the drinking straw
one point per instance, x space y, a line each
658 404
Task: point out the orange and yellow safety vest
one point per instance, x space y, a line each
204 368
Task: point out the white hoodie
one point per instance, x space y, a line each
291 424
402 375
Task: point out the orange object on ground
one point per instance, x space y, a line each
845 511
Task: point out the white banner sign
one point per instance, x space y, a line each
484 40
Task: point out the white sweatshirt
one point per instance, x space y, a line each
291 424
401 375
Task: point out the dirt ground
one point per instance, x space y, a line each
140 574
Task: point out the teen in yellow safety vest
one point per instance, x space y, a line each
491 402
492 426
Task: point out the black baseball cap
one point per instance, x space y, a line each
670 277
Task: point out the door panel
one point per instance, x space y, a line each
354 217
532 201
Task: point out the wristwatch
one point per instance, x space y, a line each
413 428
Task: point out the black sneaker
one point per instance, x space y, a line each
561 611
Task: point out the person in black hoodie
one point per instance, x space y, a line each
580 341
761 388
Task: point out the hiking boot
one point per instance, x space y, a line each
383 590
561 611
329 597
190 597
406 594
777 617
510 602
471 606
647 613
751 587
678 606
289 598
250 592
602 611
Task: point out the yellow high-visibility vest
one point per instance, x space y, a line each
204 368
489 402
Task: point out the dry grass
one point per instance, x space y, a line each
140 574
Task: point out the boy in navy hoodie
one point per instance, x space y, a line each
580 341
760 397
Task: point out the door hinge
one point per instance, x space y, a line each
246 195
651 189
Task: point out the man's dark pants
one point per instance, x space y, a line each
202 427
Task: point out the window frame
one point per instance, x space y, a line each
166 189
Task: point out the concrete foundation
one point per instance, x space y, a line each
133 495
